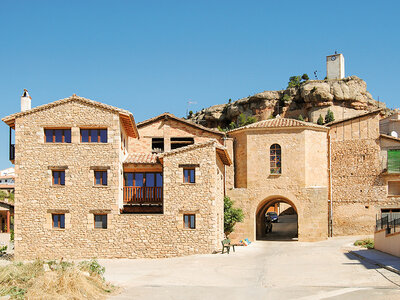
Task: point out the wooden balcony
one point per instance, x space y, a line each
143 195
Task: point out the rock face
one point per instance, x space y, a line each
346 98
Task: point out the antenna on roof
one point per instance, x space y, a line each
188 104
378 102
315 74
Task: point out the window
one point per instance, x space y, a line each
100 177
157 145
58 177
189 175
100 221
94 135
57 135
58 220
189 221
393 188
393 161
275 159
143 179
178 142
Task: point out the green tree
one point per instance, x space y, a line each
190 114
320 120
301 118
305 77
329 117
232 215
2 195
229 101
294 81
232 125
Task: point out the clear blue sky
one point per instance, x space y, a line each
153 56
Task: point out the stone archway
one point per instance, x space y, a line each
288 231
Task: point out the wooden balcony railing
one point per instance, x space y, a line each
134 194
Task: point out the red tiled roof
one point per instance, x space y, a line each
141 158
279 123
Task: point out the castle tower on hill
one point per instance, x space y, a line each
335 66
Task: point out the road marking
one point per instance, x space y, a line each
325 295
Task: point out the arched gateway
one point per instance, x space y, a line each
285 227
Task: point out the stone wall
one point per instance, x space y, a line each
302 184
359 187
127 235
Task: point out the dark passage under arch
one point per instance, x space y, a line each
285 228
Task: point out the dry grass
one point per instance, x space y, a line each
53 280
366 243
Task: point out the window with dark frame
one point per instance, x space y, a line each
189 175
58 177
57 135
157 145
178 142
100 221
189 221
58 220
100 177
96 135
275 159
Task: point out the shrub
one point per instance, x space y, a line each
190 114
329 117
3 250
366 243
294 81
229 101
231 216
305 77
92 266
320 120
301 118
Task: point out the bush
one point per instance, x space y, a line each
320 120
92 266
366 243
231 216
300 118
3 250
329 117
294 81
305 77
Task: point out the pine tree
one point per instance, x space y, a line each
320 120
329 116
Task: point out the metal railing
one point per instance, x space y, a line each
134 194
391 225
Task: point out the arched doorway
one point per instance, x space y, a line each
285 220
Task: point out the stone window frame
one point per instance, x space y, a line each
95 169
196 173
49 219
181 221
102 221
52 169
91 219
275 159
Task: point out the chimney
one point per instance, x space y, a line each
25 101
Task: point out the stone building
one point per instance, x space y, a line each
82 191
89 182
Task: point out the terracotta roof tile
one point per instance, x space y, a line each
141 158
279 123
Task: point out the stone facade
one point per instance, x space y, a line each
303 182
126 235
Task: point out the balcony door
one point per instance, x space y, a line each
142 187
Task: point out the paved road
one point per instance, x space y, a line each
264 270
285 229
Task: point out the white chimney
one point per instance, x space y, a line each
25 101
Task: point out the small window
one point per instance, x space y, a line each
157 145
58 220
57 135
189 175
178 142
94 135
394 188
275 159
189 221
58 177
100 221
100 177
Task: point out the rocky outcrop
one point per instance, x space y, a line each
346 98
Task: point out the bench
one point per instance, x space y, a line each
227 244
